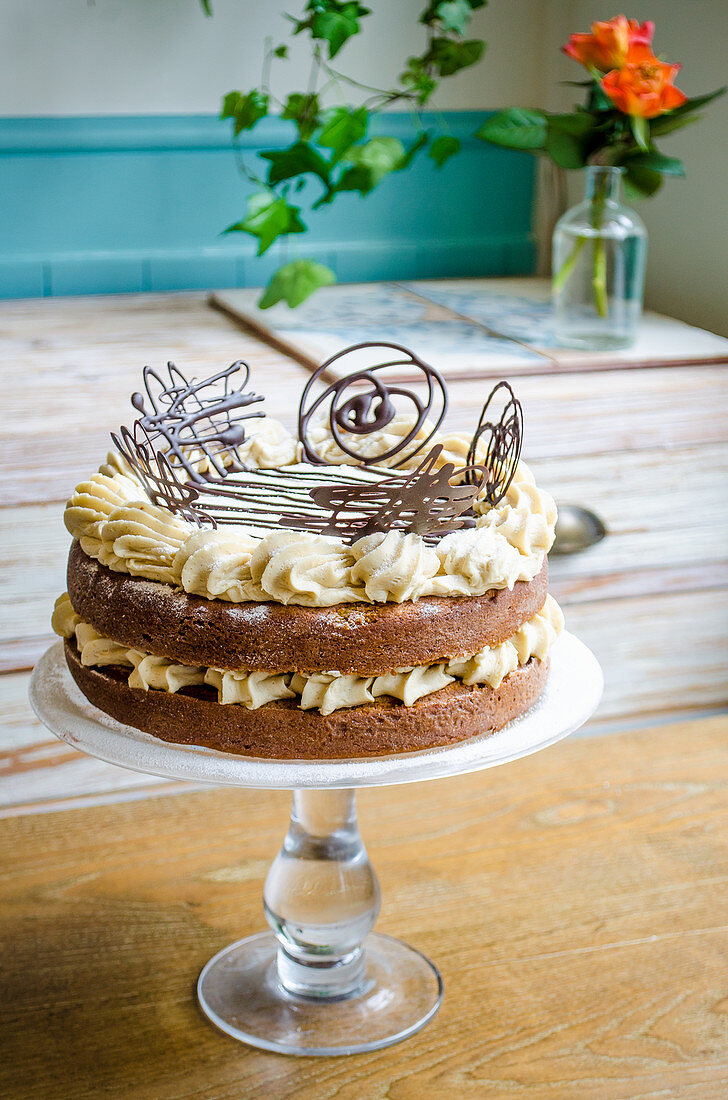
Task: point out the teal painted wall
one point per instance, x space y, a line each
114 204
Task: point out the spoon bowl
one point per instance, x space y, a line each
577 529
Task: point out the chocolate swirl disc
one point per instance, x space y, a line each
361 403
504 438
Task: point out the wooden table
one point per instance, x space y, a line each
575 902
647 447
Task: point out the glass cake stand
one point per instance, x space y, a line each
321 982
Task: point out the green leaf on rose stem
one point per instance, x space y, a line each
335 23
245 109
343 127
640 183
268 217
303 109
666 124
657 162
443 148
280 51
409 155
515 128
697 102
295 282
450 57
565 150
297 160
371 162
640 131
577 124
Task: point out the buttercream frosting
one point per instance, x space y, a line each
118 526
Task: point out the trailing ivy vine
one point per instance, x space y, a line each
333 145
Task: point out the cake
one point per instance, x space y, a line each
377 585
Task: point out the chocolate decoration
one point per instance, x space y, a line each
198 427
424 502
503 449
159 479
370 410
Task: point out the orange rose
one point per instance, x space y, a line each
609 43
643 87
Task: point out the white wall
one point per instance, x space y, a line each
66 57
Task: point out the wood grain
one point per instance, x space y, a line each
575 902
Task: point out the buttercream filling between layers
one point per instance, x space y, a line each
324 691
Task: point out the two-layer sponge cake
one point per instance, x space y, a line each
223 609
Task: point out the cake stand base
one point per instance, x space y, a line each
239 991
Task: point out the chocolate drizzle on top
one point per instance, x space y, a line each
504 438
361 402
199 422
160 480
183 449
424 501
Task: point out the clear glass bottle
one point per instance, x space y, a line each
598 262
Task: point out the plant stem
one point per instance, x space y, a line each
599 271
568 265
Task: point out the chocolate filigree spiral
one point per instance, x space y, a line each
362 402
504 437
201 423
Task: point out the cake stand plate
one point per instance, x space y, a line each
321 982
572 692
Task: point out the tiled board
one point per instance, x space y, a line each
469 328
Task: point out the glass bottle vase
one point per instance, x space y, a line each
598 262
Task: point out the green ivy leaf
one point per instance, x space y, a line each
332 21
454 15
295 282
267 218
657 162
303 109
640 183
416 77
434 13
343 127
450 57
297 160
443 148
371 162
409 155
280 51
245 110
515 128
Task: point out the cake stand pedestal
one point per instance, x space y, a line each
321 982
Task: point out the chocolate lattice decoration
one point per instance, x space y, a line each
200 423
368 406
424 502
158 478
504 439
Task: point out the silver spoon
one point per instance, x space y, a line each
576 529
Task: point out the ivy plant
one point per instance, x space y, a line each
333 145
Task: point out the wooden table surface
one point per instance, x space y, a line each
575 901
648 448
